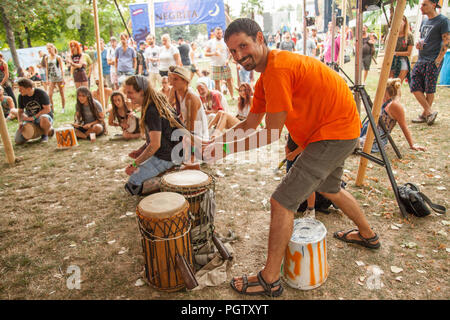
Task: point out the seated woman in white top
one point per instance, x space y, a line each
224 121
188 103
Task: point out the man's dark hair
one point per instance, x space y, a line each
245 25
25 83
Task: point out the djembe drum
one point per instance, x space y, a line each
65 138
164 224
305 263
133 124
31 131
198 189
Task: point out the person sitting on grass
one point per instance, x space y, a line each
34 107
213 100
122 115
108 92
89 116
392 112
224 121
7 103
165 86
158 122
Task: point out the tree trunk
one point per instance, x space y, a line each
28 38
349 10
111 31
10 38
19 40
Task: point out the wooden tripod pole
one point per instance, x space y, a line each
10 157
384 75
99 57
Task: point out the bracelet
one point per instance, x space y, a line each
134 164
225 148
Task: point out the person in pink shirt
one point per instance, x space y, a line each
337 45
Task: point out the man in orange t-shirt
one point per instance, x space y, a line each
319 111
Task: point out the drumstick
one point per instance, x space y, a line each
279 166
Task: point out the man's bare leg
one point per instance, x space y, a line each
281 225
347 203
420 96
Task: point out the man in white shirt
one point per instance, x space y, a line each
151 55
218 51
310 47
111 57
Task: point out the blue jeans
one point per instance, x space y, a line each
149 169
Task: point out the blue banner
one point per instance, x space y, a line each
177 13
140 21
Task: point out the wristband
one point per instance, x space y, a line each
192 150
225 148
134 164
34 117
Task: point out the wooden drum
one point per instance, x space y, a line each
193 185
164 225
66 138
31 131
305 264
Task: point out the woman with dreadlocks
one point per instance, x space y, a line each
89 116
158 122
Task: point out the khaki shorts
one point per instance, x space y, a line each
318 168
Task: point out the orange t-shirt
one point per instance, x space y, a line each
319 104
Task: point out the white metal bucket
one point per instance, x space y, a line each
305 264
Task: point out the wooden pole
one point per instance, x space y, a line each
305 29
151 16
343 35
358 51
384 75
10 157
99 57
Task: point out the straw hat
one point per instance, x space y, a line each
181 72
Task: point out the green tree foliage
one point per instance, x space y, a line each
251 7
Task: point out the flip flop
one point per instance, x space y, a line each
431 118
365 242
267 287
420 119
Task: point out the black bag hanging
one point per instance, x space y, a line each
416 202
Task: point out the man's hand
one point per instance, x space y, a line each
416 147
419 45
209 153
129 170
87 126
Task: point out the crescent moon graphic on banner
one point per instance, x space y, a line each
213 14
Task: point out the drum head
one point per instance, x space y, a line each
28 130
308 231
162 205
187 178
132 124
